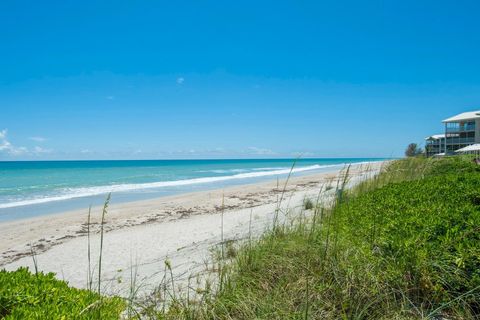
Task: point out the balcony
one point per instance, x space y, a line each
457 140
432 150
434 143
436 149
460 128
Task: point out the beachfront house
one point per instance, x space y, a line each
435 145
471 149
461 131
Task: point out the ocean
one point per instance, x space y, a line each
35 188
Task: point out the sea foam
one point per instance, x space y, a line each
71 193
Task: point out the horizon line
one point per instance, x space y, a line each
198 159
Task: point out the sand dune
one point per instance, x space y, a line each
142 235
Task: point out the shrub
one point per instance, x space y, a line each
24 295
308 204
413 150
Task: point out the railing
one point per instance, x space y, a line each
461 128
454 140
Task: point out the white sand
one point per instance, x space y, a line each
141 235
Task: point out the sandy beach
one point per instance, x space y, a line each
141 235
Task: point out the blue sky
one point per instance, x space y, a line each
220 79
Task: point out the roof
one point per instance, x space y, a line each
435 137
464 116
472 147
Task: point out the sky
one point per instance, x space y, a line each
232 79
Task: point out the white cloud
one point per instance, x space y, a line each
303 154
17 151
40 150
3 134
38 139
260 151
7 147
180 80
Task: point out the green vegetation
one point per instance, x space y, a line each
24 295
404 245
308 204
413 150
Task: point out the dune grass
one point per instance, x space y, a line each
404 245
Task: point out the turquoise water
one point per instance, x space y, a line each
32 188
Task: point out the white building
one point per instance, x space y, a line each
461 131
435 145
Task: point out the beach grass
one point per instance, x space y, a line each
402 245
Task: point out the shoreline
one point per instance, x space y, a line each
205 177
59 241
